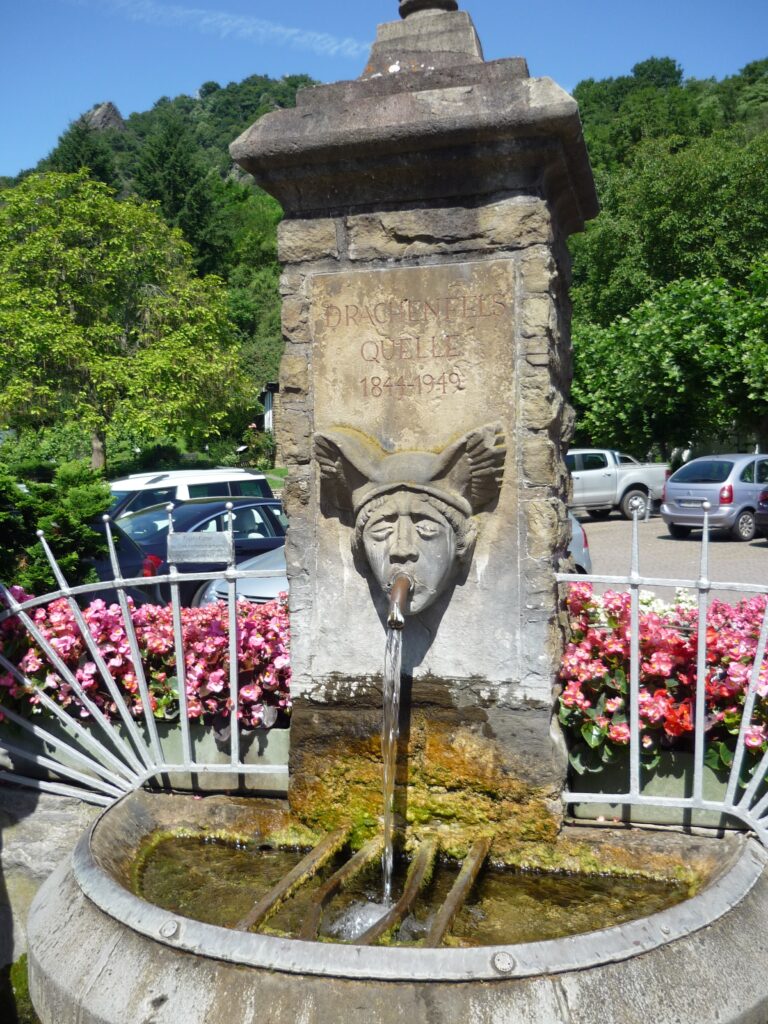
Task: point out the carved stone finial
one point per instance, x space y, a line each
412 6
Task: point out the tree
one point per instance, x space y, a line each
80 146
680 210
64 510
102 318
170 171
687 365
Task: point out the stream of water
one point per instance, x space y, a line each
389 733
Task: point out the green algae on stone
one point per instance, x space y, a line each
15 1002
450 775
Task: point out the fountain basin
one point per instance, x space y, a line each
99 951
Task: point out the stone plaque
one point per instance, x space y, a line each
414 357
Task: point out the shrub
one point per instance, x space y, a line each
262 655
594 704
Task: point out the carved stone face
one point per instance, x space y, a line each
405 532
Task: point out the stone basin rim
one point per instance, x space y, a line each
477 963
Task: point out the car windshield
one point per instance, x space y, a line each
117 498
146 525
704 471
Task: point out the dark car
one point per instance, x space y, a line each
258 525
134 564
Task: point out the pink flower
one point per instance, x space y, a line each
754 736
619 733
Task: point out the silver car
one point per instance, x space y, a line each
261 589
730 483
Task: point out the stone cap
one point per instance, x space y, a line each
429 39
422 136
428 120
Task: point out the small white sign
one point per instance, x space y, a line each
184 548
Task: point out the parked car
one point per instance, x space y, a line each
732 484
761 513
257 590
261 589
258 526
134 564
578 548
142 490
604 479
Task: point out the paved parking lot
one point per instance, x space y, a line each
661 556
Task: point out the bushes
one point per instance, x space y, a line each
594 705
63 509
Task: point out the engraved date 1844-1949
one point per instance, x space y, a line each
422 384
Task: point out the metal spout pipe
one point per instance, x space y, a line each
399 590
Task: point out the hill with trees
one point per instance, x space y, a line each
680 170
669 280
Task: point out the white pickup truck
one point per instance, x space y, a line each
604 479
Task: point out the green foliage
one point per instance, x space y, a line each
668 332
656 102
34 454
687 365
177 155
15 1003
102 318
699 210
261 448
63 509
82 147
170 171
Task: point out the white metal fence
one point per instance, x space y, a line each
103 758
101 761
746 804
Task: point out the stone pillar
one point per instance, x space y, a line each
425 280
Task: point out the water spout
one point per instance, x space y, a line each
399 591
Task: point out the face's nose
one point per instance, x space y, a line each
403 547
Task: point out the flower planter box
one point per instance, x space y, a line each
673 777
268 747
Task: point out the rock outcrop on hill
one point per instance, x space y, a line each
104 116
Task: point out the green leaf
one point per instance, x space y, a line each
712 758
593 734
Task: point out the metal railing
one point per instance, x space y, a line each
745 804
106 759
102 761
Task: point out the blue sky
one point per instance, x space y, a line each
59 57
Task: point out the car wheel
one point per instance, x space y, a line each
598 513
744 527
678 532
634 501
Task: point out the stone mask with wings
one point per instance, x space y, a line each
359 477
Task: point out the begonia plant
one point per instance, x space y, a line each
595 670
263 646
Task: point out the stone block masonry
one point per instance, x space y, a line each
424 297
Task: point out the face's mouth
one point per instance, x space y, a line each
401 572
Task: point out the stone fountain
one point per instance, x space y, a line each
427 356
423 415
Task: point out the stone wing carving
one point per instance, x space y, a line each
474 465
345 465
467 474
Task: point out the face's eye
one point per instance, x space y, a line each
427 528
381 530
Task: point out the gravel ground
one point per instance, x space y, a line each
662 556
